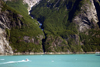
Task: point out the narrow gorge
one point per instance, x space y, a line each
30 4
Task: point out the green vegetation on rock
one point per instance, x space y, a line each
67 26
57 18
24 34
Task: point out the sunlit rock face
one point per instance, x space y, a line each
9 20
30 3
6 24
4 44
87 18
7 0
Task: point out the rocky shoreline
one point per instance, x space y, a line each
49 53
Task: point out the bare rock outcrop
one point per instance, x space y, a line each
56 44
36 40
4 43
7 22
87 17
30 3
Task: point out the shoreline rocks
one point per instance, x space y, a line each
47 53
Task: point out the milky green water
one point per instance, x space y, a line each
78 60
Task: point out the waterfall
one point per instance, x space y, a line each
40 24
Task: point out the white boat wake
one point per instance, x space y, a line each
10 62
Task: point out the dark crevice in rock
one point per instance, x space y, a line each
69 5
43 45
97 6
43 42
73 10
40 20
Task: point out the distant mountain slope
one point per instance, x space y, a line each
74 22
68 26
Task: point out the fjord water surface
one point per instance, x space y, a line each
78 60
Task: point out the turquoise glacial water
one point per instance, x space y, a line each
74 60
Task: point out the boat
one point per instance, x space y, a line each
27 59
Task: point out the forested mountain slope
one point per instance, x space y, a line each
67 26
21 31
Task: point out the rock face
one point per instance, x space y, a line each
4 43
75 21
17 33
28 39
68 25
6 23
87 18
97 5
55 44
30 3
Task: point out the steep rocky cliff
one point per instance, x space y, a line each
16 32
4 43
87 17
68 26
30 3
76 22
